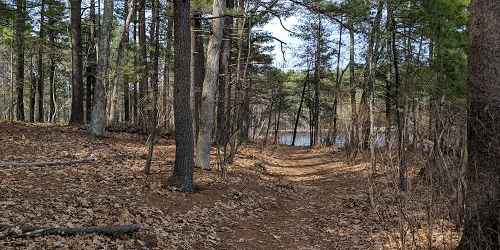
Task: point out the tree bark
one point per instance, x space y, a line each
271 105
52 90
143 64
52 63
155 58
352 82
11 108
32 100
197 71
125 80
277 123
482 210
76 116
98 117
389 89
300 109
245 117
317 81
40 86
403 179
20 23
120 65
225 76
135 80
338 81
242 26
210 87
91 62
167 105
4 99
183 170
369 77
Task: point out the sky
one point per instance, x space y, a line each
277 31
291 61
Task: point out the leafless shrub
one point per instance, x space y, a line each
430 214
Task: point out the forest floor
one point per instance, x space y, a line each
277 198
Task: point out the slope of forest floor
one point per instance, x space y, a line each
276 198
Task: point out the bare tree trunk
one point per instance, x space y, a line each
165 90
225 76
76 117
482 211
338 81
52 65
91 62
245 107
197 71
389 100
52 90
269 117
166 75
20 22
143 64
352 82
31 108
4 99
372 139
403 179
11 109
229 130
242 26
40 85
300 109
129 10
98 118
317 81
135 80
369 132
389 89
120 64
277 124
155 57
311 117
247 89
183 170
210 87
369 77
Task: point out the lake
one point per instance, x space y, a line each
303 139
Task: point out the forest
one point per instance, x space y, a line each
250 124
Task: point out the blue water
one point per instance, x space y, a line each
303 139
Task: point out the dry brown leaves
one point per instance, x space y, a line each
297 200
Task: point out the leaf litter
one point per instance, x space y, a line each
284 198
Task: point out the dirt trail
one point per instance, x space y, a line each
322 206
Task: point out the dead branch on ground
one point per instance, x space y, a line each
47 163
30 231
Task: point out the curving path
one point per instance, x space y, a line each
321 204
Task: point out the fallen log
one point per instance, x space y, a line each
9 231
47 164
